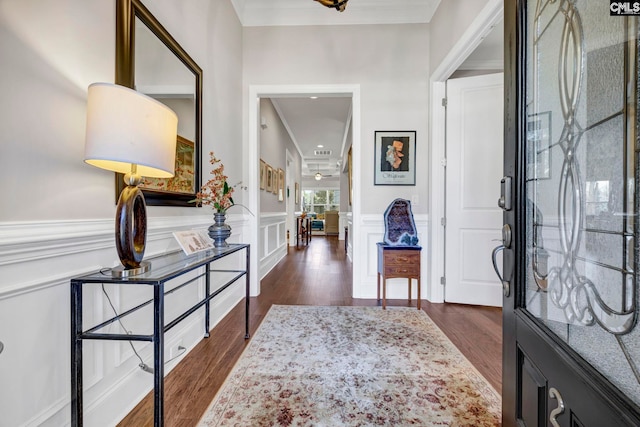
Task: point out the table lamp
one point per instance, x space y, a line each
130 133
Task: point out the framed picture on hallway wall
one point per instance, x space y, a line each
269 178
395 158
263 174
280 185
274 186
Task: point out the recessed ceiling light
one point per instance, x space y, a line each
320 146
313 97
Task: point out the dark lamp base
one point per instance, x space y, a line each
131 229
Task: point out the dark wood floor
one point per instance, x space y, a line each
319 274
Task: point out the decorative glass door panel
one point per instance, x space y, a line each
581 175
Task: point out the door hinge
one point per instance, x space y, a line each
444 102
443 222
443 162
443 280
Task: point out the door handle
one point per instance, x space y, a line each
506 244
506 286
555 394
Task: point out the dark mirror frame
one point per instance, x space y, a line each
126 13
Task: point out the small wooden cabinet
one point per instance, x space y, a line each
398 261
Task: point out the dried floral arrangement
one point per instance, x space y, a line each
216 192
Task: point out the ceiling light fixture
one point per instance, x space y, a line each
338 5
318 176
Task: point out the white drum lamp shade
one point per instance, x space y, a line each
130 133
126 127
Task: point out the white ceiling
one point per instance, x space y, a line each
325 121
309 12
319 129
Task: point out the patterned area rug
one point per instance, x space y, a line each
352 366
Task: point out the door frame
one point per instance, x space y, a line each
251 174
512 93
289 196
488 18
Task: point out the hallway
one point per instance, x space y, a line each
319 274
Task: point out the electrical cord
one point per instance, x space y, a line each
142 365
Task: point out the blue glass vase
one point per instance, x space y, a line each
220 231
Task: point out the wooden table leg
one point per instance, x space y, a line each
378 287
419 299
384 293
409 279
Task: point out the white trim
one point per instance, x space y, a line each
274 249
32 242
252 148
28 241
436 246
490 15
290 196
350 237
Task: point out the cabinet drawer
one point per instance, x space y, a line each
401 259
402 270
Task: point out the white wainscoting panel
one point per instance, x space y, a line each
349 237
342 223
365 281
38 259
273 246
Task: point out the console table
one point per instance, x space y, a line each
163 268
398 261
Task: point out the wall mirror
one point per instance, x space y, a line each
150 60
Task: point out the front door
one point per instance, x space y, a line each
570 195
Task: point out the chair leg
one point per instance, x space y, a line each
419 298
409 279
378 287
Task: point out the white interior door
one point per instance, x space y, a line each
473 171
